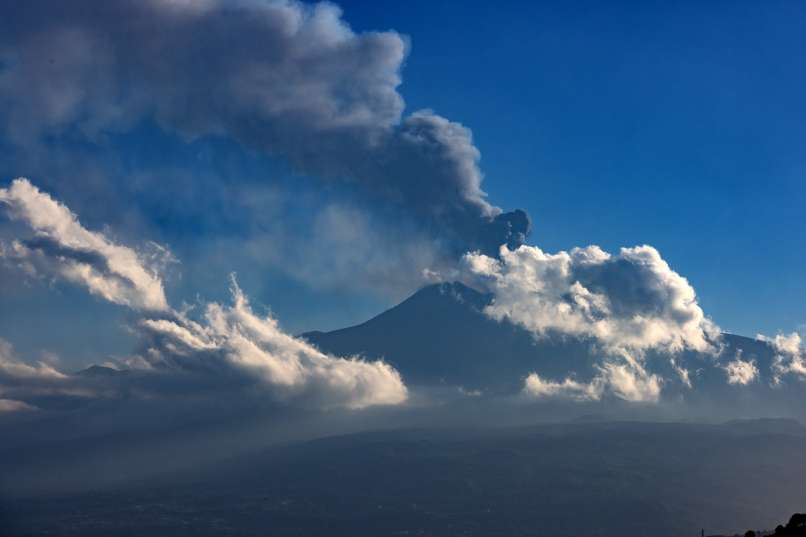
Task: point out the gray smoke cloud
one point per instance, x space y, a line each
281 77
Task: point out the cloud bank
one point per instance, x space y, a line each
229 343
233 340
628 380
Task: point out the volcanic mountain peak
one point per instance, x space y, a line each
440 335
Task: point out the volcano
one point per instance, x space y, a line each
441 336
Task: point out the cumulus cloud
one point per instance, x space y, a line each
233 339
625 304
229 345
62 247
741 372
631 381
626 379
789 356
537 387
282 77
630 301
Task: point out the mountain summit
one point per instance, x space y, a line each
441 336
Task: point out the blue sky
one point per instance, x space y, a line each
618 124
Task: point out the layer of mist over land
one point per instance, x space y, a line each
607 478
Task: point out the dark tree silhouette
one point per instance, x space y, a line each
796 527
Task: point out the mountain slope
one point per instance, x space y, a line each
440 335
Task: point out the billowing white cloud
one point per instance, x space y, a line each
235 339
741 372
538 387
630 301
61 246
632 382
790 357
625 304
626 379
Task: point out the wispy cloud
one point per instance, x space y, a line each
62 247
10 405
